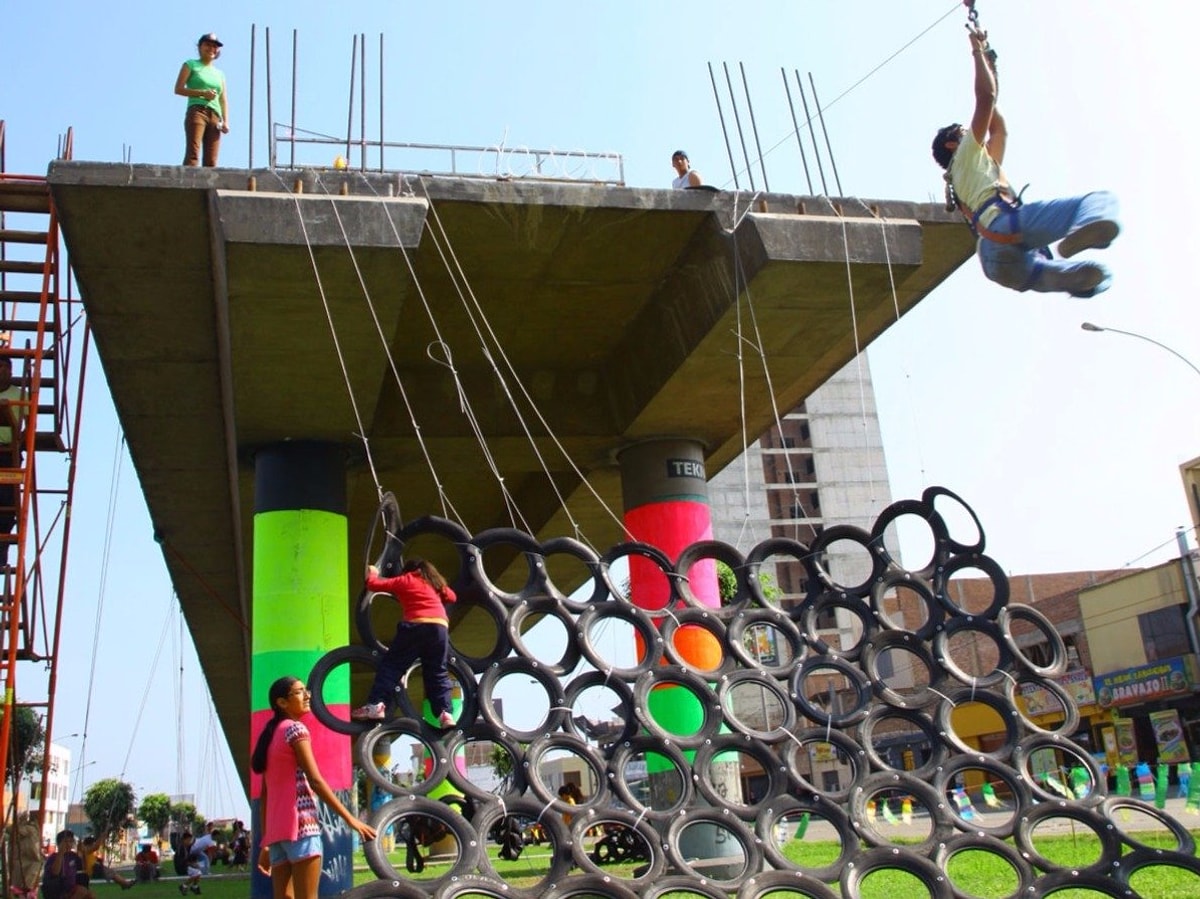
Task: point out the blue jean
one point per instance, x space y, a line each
425 641
1024 267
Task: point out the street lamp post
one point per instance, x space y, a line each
1185 557
1088 326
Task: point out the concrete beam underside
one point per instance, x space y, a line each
227 319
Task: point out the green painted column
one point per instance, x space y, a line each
300 612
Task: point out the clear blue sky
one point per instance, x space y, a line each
1067 443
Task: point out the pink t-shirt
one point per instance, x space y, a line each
291 805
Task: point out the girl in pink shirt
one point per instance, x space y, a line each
424 633
291 831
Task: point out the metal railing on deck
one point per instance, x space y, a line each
444 160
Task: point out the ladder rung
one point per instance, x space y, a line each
16 235
21 267
21 296
24 196
20 324
22 353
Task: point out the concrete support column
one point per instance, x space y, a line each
300 612
665 494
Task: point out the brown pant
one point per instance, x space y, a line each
203 129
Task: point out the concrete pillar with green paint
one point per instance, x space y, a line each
300 612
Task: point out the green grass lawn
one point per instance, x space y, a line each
981 874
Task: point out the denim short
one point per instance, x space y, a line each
294 850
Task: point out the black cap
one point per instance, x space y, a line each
679 153
209 38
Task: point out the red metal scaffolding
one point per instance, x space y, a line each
44 336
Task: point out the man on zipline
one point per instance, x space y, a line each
1014 236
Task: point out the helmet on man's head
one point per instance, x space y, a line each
941 153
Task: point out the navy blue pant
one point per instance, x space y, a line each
428 642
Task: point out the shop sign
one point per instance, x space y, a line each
1144 683
1040 701
1078 683
1168 734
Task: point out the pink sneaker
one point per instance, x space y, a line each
446 719
372 711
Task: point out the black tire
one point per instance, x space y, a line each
935 611
625 751
851 534
624 693
395 811
1018 790
526 546
955 546
364 749
852 673
1091 818
622 845
832 812
719 552
755 678
786 883
594 617
990 568
895 859
540 607
751 849
885 641
940 825
784 629
343 655
488 815
774 546
924 511
656 557
706 620
568 546
556 714
885 715
983 843
684 679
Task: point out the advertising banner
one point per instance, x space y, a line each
1168 734
1127 752
1166 677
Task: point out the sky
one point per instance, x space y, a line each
1066 443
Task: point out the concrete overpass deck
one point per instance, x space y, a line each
215 310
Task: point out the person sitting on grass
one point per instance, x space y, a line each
93 863
63 876
145 864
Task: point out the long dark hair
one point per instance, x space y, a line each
279 690
427 570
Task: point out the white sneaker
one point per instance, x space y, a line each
372 711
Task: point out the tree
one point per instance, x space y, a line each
155 810
185 815
109 803
29 739
728 585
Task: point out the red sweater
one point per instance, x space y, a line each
420 602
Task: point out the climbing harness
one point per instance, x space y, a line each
1008 206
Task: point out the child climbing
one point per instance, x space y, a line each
422 634
1014 236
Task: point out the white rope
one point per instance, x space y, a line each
480 323
741 370
757 343
337 344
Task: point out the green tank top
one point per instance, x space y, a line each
203 78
